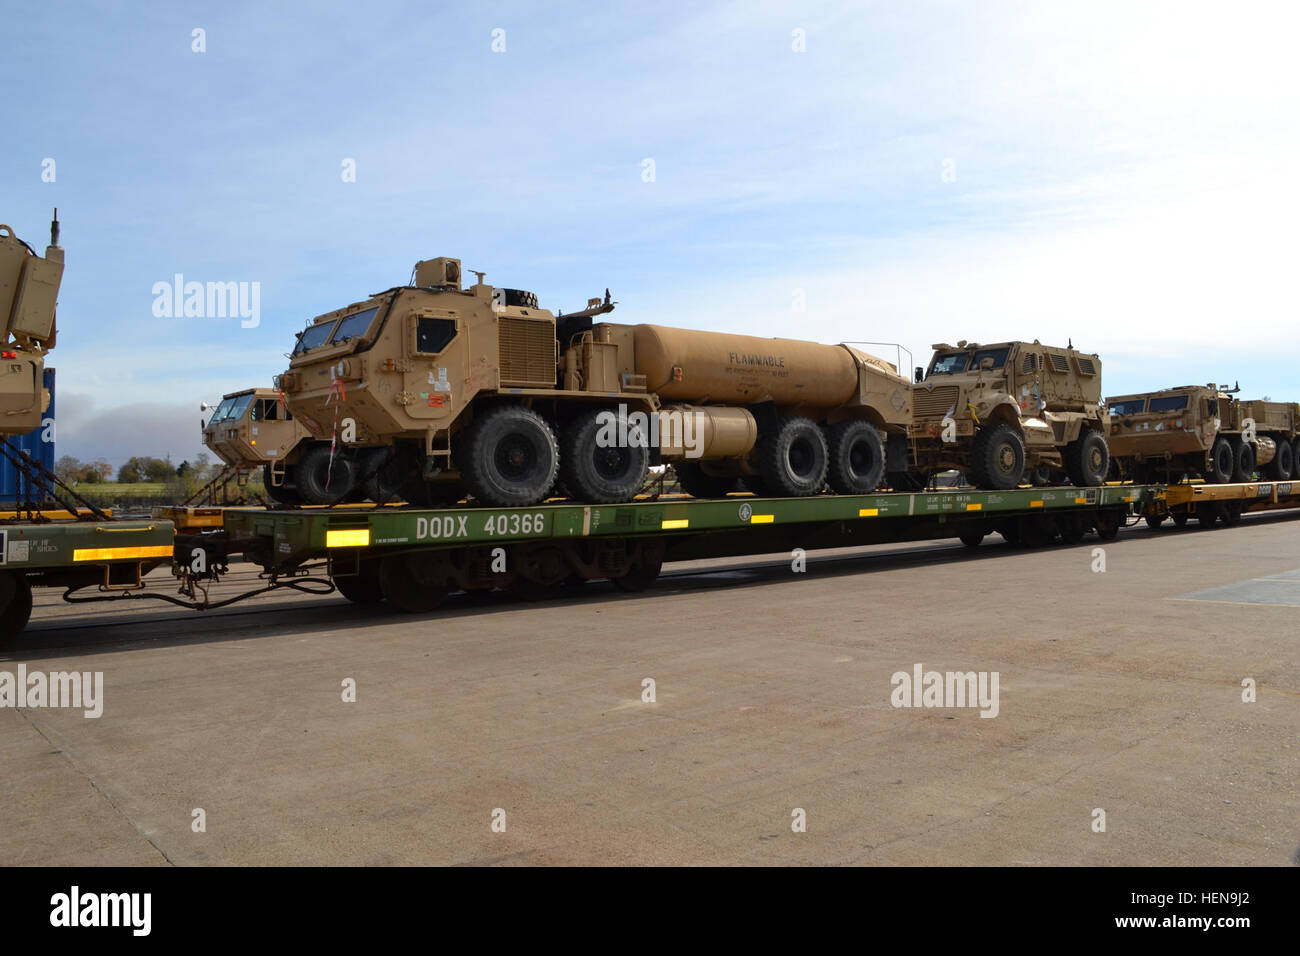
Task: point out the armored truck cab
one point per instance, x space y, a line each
430 389
997 411
254 429
1202 431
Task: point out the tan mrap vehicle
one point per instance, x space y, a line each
253 430
434 388
29 290
998 411
1201 431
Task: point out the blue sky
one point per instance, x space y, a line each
1117 174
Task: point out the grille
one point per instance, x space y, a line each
527 352
1086 366
933 404
1059 363
1027 363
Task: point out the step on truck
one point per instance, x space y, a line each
1001 412
429 391
1202 431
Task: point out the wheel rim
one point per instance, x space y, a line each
1005 460
516 457
861 458
612 463
802 458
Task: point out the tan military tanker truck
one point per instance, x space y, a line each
1202 430
253 430
29 289
998 412
433 389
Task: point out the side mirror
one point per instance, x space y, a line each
919 374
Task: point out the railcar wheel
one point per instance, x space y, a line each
972 539
15 606
364 587
1154 521
646 561
1107 523
407 584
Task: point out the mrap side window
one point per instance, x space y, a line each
434 335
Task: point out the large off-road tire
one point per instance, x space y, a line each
321 483
15 606
405 586
1243 459
792 460
698 483
1219 467
279 494
509 457
383 473
997 458
855 457
598 475
1283 464
1087 460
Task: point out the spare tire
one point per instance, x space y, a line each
520 298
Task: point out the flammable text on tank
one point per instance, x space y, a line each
478 390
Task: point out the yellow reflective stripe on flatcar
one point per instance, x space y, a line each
347 538
762 519
674 523
119 554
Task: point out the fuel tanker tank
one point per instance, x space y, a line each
724 369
